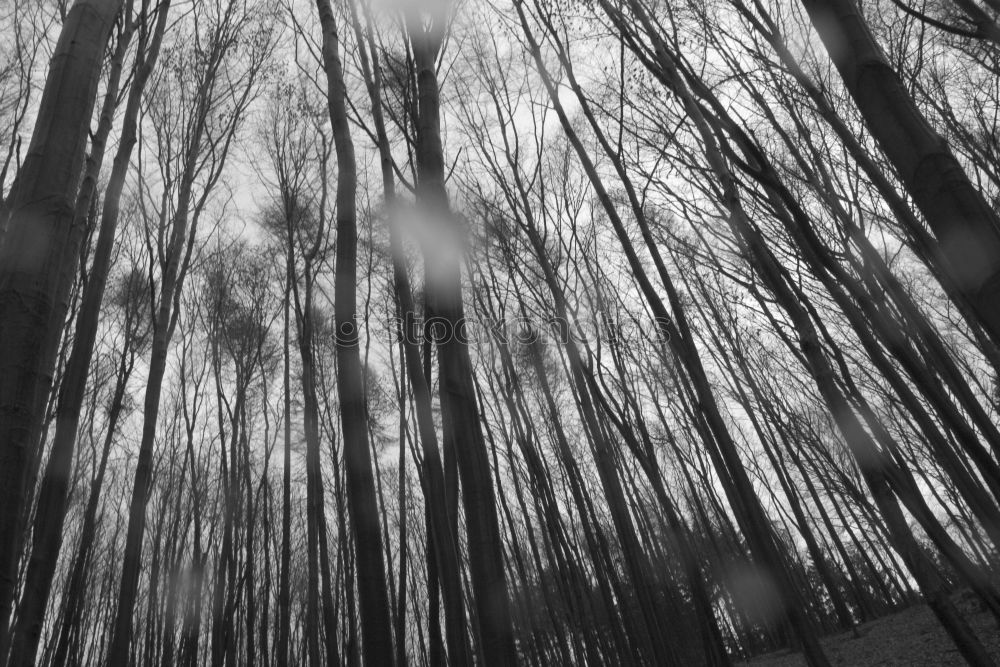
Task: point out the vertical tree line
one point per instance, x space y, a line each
526 332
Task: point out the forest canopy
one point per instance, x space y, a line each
613 332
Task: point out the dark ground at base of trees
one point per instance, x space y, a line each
910 637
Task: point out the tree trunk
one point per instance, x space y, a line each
966 226
51 510
443 559
376 628
33 250
456 386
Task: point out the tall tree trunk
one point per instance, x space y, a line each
966 226
33 250
284 584
745 503
132 557
443 559
77 581
376 628
876 469
48 528
457 390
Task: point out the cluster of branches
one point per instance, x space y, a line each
613 332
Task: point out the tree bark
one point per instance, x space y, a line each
48 528
966 226
33 249
376 629
456 383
